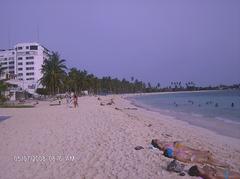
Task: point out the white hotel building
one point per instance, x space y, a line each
23 64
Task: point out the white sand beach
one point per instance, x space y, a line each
98 141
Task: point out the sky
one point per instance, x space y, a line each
151 40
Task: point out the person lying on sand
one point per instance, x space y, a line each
208 172
183 153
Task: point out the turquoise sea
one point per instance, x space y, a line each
216 110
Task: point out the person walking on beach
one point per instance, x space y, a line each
68 98
75 101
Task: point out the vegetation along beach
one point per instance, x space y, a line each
128 89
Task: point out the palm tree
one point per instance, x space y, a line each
74 80
84 82
132 78
53 70
90 83
149 85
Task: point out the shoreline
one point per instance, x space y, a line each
102 139
225 125
199 130
176 92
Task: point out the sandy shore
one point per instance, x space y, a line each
95 141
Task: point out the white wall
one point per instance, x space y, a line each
25 52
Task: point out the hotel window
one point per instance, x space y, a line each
19 69
30 78
19 48
20 63
11 67
29 74
30 58
33 47
27 53
27 47
31 86
10 63
20 53
13 53
19 58
20 79
29 63
20 74
30 68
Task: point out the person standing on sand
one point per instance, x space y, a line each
75 101
68 98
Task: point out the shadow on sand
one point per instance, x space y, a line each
3 118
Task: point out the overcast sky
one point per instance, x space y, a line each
152 40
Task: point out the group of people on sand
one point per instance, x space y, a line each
71 98
212 168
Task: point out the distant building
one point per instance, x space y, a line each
7 60
22 65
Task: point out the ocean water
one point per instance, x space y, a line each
216 110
